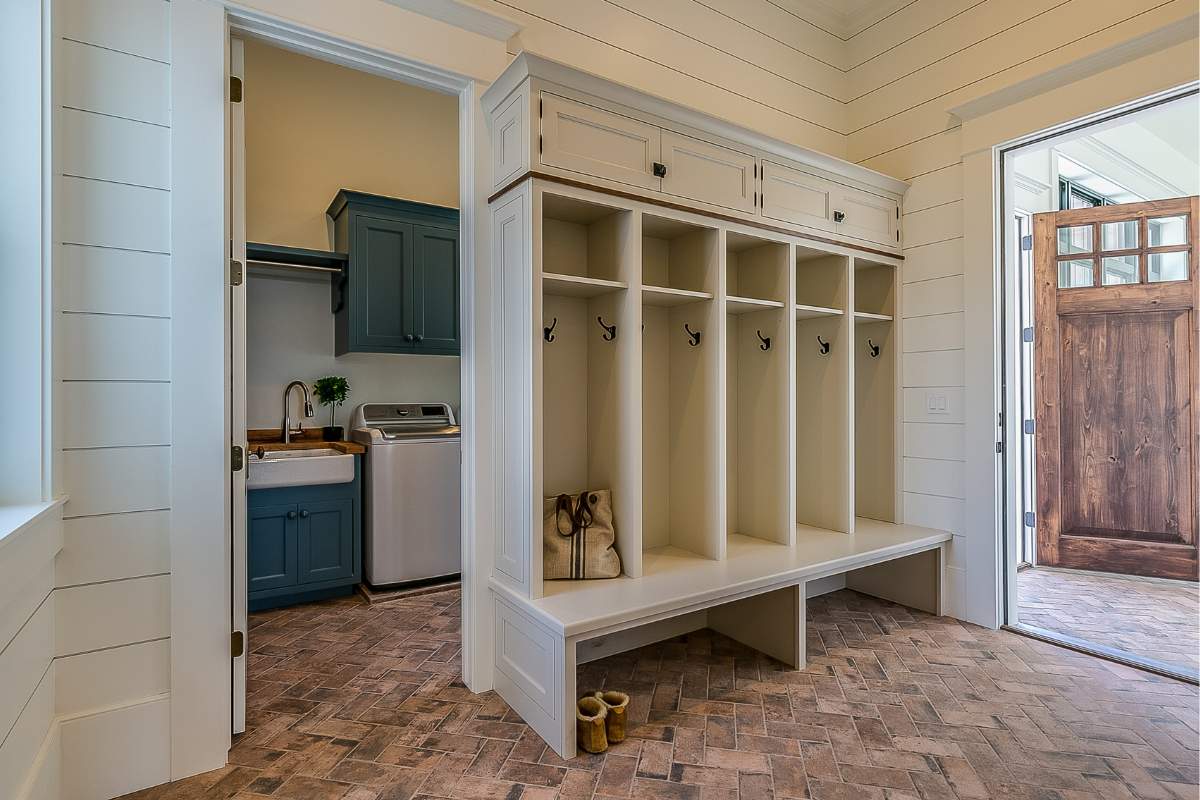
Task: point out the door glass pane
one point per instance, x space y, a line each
1167 267
1164 231
1121 235
1075 240
1120 269
1075 272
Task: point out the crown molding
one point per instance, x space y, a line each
845 19
464 15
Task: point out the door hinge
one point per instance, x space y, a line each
1027 334
999 447
756 199
1027 242
756 170
897 212
539 143
897 236
1030 519
237 458
539 108
235 89
237 644
1028 426
236 273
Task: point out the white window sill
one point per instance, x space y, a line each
16 519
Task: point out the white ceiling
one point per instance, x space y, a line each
843 18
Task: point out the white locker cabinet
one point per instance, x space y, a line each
596 142
789 195
865 216
699 170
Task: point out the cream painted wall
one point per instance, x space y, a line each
313 127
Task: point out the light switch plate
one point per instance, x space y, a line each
936 403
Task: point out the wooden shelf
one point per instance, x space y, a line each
813 312
867 316
665 297
673 578
576 286
745 305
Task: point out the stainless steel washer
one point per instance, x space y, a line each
411 491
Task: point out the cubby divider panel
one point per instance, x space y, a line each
875 421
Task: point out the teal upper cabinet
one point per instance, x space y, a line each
400 291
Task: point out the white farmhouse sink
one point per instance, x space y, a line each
299 468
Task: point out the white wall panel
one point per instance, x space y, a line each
108 82
114 215
113 149
916 408
931 476
114 413
934 296
934 332
113 281
934 189
19 747
113 546
23 663
922 440
944 513
115 479
939 368
908 160
933 261
116 752
107 678
138 27
104 615
115 348
937 224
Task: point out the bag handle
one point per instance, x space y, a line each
580 517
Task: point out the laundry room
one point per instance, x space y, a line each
347 332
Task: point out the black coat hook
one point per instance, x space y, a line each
873 349
824 345
766 341
694 336
548 333
610 331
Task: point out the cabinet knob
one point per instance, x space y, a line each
839 216
419 338
291 515
408 337
303 515
660 170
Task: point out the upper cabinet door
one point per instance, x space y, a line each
586 139
708 173
381 283
865 216
789 195
434 324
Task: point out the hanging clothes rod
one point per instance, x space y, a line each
287 265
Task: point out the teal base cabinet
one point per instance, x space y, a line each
399 293
304 543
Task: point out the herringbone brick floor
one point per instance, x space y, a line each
355 702
1148 618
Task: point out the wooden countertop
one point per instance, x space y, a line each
308 439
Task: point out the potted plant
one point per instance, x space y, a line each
331 391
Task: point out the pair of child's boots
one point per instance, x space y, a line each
600 720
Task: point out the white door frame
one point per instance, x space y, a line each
202 716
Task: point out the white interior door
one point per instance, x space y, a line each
237 378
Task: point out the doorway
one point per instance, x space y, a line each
1100 249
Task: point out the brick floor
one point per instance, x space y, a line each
355 702
1144 617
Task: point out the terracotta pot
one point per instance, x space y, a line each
590 714
616 703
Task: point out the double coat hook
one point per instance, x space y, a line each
766 341
872 349
693 336
548 333
823 345
610 331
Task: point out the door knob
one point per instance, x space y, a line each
839 216
660 170
420 338
303 515
408 337
291 515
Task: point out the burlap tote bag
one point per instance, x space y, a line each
578 536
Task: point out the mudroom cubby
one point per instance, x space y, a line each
824 480
588 352
707 367
876 354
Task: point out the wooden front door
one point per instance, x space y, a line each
1117 389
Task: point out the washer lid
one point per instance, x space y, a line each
407 420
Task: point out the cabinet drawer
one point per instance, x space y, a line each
707 172
586 139
865 215
789 195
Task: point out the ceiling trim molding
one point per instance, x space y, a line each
845 19
461 14
1093 148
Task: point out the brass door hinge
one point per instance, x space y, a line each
235 89
237 458
237 644
236 273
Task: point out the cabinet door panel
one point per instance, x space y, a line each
590 140
867 216
382 282
789 195
708 172
326 540
271 545
435 323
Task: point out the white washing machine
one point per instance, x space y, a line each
411 491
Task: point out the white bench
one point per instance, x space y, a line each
755 596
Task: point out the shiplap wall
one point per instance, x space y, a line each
112 332
902 78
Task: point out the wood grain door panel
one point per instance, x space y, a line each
1116 385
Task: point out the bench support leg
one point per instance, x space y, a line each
916 581
772 623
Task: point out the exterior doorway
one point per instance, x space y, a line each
1101 244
